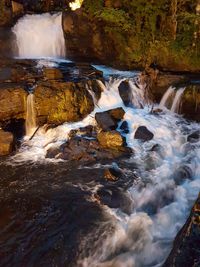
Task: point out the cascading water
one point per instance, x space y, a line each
172 96
166 97
30 115
160 202
177 100
40 36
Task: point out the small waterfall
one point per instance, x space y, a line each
177 100
30 115
40 36
138 97
166 97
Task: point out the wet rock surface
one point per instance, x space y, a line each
143 134
59 102
85 149
60 94
6 143
186 250
108 120
12 102
190 103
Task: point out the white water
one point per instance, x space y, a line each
142 238
172 99
166 97
30 115
177 100
40 36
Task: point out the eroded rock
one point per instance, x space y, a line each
12 103
6 143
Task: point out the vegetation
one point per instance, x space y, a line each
152 30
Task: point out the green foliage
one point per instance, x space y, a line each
144 30
115 18
92 6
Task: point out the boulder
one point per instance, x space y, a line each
143 134
186 251
105 121
194 137
6 143
108 120
110 139
12 103
125 92
59 102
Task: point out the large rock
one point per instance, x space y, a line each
125 92
110 139
12 103
186 251
81 29
59 102
6 143
108 120
143 134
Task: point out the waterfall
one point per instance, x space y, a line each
30 115
166 97
40 36
177 100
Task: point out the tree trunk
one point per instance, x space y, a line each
174 18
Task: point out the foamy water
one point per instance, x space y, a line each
161 198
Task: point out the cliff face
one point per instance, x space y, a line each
136 33
186 250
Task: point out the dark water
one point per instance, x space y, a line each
49 215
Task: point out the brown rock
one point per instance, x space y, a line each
59 102
12 103
163 82
6 143
185 251
52 74
190 103
110 139
17 9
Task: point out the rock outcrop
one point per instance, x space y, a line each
186 251
12 103
190 103
59 102
6 143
